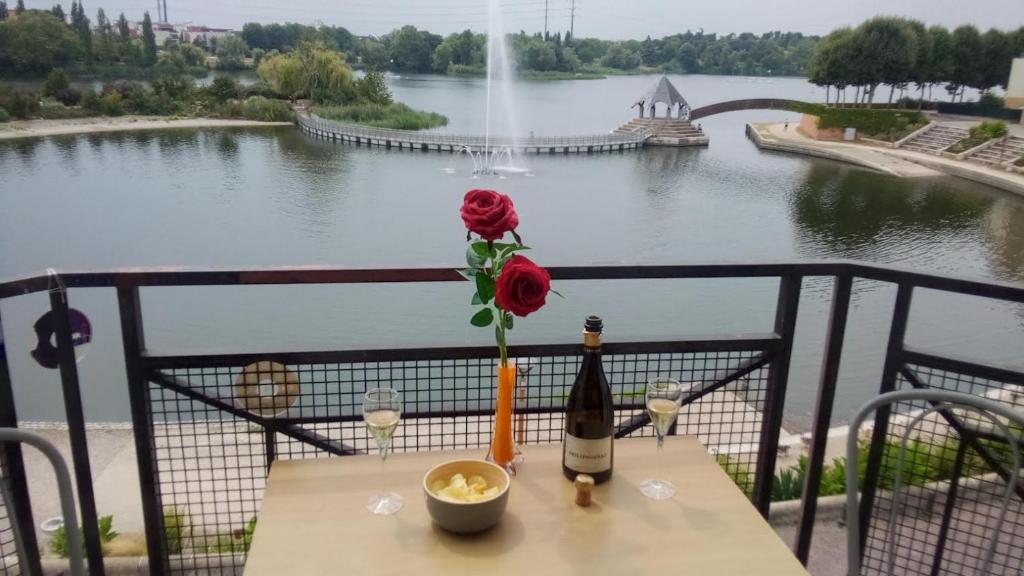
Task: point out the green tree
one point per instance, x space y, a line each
3 10
224 88
373 89
105 43
998 53
887 51
373 54
148 41
940 63
412 50
20 6
231 53
966 54
285 75
56 81
311 70
80 24
58 11
38 42
619 57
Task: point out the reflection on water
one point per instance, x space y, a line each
853 213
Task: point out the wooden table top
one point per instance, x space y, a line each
314 520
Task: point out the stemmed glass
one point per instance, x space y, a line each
523 367
382 409
664 396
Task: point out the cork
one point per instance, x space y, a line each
584 483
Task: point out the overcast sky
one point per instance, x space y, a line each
613 19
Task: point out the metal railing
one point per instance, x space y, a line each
433 138
188 408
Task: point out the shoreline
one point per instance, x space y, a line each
101 124
894 161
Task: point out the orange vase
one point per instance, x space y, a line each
503 449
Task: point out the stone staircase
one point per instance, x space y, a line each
935 140
665 131
1000 152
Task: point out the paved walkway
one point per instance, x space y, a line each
895 161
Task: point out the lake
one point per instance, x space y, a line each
271 196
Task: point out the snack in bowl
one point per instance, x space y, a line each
466 496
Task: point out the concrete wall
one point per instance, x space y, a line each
1015 88
809 127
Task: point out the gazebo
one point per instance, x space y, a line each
663 92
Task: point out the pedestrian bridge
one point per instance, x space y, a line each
444 142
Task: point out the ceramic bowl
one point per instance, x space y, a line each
467 517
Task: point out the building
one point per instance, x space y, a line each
165 32
208 36
1015 87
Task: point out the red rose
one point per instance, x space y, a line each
489 214
522 286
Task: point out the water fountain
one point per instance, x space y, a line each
500 115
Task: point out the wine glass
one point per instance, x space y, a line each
382 409
664 396
523 367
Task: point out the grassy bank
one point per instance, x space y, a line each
395 115
881 124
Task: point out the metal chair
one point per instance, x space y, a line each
953 407
67 497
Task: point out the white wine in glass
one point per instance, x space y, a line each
664 396
382 409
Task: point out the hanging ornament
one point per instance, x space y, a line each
45 353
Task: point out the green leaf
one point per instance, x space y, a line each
482 318
484 287
469 273
499 246
474 259
512 249
481 249
476 300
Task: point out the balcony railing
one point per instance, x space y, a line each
204 449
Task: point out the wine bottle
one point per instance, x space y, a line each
589 414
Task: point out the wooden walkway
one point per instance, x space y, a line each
444 142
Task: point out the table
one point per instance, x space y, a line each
313 520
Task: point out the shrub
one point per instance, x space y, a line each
4 116
18 103
223 88
259 88
59 539
51 109
990 100
176 87
176 529
373 89
123 87
994 128
396 115
56 81
110 104
151 104
267 110
91 100
868 121
68 96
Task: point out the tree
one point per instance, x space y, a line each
38 42
285 75
887 50
231 53
966 54
3 10
105 50
373 54
224 88
56 81
20 6
80 24
58 11
148 41
311 70
373 89
412 50
621 58
940 63
998 50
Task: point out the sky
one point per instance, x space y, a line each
610 19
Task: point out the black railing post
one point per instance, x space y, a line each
775 395
133 338
20 509
823 412
893 361
76 429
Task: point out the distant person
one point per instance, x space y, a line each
785 126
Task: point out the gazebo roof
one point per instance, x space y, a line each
663 91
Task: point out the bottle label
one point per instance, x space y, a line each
588 455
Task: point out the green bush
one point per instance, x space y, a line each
259 88
18 103
56 81
110 104
59 539
868 121
68 96
148 103
267 110
4 116
179 88
223 88
739 472
177 529
51 109
91 100
236 542
396 115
